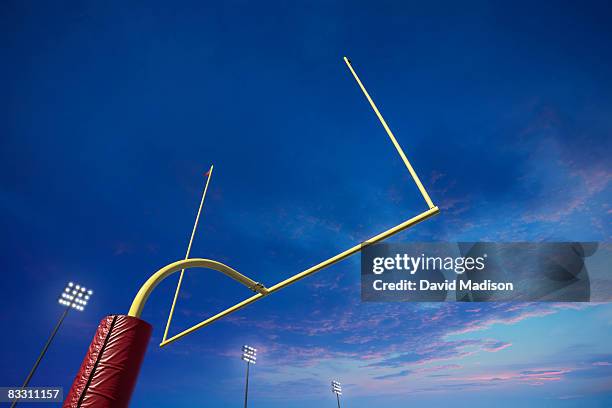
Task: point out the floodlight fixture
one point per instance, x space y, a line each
249 354
336 387
75 297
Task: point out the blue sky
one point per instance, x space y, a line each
111 113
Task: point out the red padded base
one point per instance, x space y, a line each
110 369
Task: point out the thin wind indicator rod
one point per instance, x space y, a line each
193 231
391 136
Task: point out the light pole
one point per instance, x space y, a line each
249 354
73 297
337 389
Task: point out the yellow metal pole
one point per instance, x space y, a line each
391 136
195 227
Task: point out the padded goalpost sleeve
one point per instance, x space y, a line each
110 368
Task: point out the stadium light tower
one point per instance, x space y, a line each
337 389
249 354
73 297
